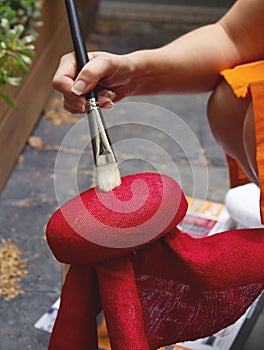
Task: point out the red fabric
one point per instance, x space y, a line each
77 329
142 209
171 288
125 332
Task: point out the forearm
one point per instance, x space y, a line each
193 62
189 64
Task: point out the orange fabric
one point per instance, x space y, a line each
241 77
244 79
103 338
257 90
236 175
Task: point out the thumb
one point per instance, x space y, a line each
99 68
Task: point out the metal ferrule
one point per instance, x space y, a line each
92 104
103 153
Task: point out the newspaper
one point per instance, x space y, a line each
46 321
205 218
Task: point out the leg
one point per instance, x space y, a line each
231 122
121 305
75 326
250 140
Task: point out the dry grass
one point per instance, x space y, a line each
12 269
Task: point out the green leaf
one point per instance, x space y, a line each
15 81
25 58
27 39
17 35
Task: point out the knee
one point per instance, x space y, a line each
218 111
216 103
226 115
249 140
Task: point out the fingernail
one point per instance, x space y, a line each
108 105
82 107
78 87
110 94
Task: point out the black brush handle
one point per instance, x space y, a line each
78 40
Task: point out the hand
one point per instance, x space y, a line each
109 73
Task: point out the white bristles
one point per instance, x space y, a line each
108 177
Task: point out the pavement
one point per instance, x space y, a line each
169 134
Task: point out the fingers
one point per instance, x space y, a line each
100 69
73 107
105 100
65 74
63 81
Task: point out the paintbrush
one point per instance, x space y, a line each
108 176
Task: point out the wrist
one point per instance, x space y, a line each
143 72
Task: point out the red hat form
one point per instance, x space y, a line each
156 285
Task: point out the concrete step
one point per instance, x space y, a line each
205 3
172 13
